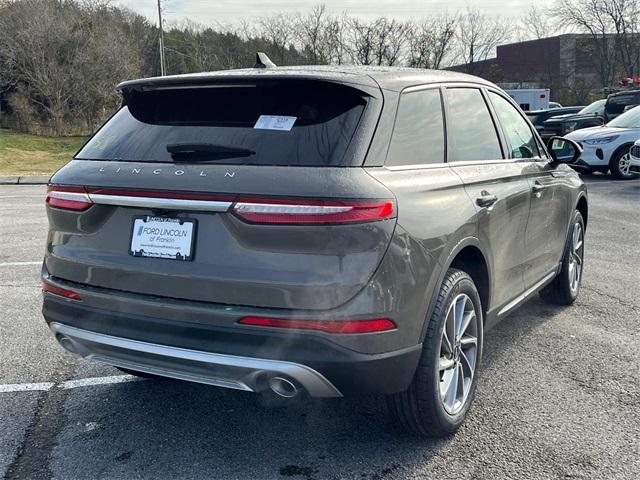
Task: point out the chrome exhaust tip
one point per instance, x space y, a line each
283 387
66 343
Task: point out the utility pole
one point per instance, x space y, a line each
163 68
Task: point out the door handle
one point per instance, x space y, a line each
538 187
486 199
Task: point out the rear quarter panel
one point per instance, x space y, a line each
435 214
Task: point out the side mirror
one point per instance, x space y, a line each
563 150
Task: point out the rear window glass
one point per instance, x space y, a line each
616 104
471 130
296 123
418 135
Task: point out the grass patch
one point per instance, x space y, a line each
22 154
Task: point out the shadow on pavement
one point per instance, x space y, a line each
172 429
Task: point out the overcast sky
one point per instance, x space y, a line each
232 11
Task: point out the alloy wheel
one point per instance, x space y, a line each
576 256
458 354
624 165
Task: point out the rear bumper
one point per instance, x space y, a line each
233 357
229 371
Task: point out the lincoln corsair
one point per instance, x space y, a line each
321 231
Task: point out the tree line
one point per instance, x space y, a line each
60 59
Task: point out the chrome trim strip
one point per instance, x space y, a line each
418 88
292 208
464 163
520 298
164 203
461 163
426 166
228 371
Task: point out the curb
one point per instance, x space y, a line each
26 180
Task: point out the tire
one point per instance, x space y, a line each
619 165
421 409
565 287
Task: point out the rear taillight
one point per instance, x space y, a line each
61 292
311 212
327 326
250 210
68 198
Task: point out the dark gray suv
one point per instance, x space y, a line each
311 230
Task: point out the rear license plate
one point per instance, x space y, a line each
162 237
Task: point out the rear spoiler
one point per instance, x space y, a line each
246 78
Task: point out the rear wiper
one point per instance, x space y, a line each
205 151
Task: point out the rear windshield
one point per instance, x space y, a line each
616 103
629 119
295 123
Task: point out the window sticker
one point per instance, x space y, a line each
275 122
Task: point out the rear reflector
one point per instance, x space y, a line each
328 326
311 212
61 292
68 198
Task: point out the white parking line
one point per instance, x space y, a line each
22 205
26 387
22 196
87 382
69 384
19 264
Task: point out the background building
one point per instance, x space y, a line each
576 67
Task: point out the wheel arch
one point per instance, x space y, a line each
618 150
470 256
583 207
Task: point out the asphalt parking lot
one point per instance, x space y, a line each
559 395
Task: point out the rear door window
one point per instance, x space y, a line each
418 134
472 133
278 123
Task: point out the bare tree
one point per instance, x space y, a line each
61 60
278 29
430 42
311 34
377 42
588 16
477 37
360 41
392 38
624 16
537 23
614 30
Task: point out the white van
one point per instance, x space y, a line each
531 98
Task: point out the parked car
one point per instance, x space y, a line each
634 157
620 102
312 230
606 148
555 105
538 117
590 116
